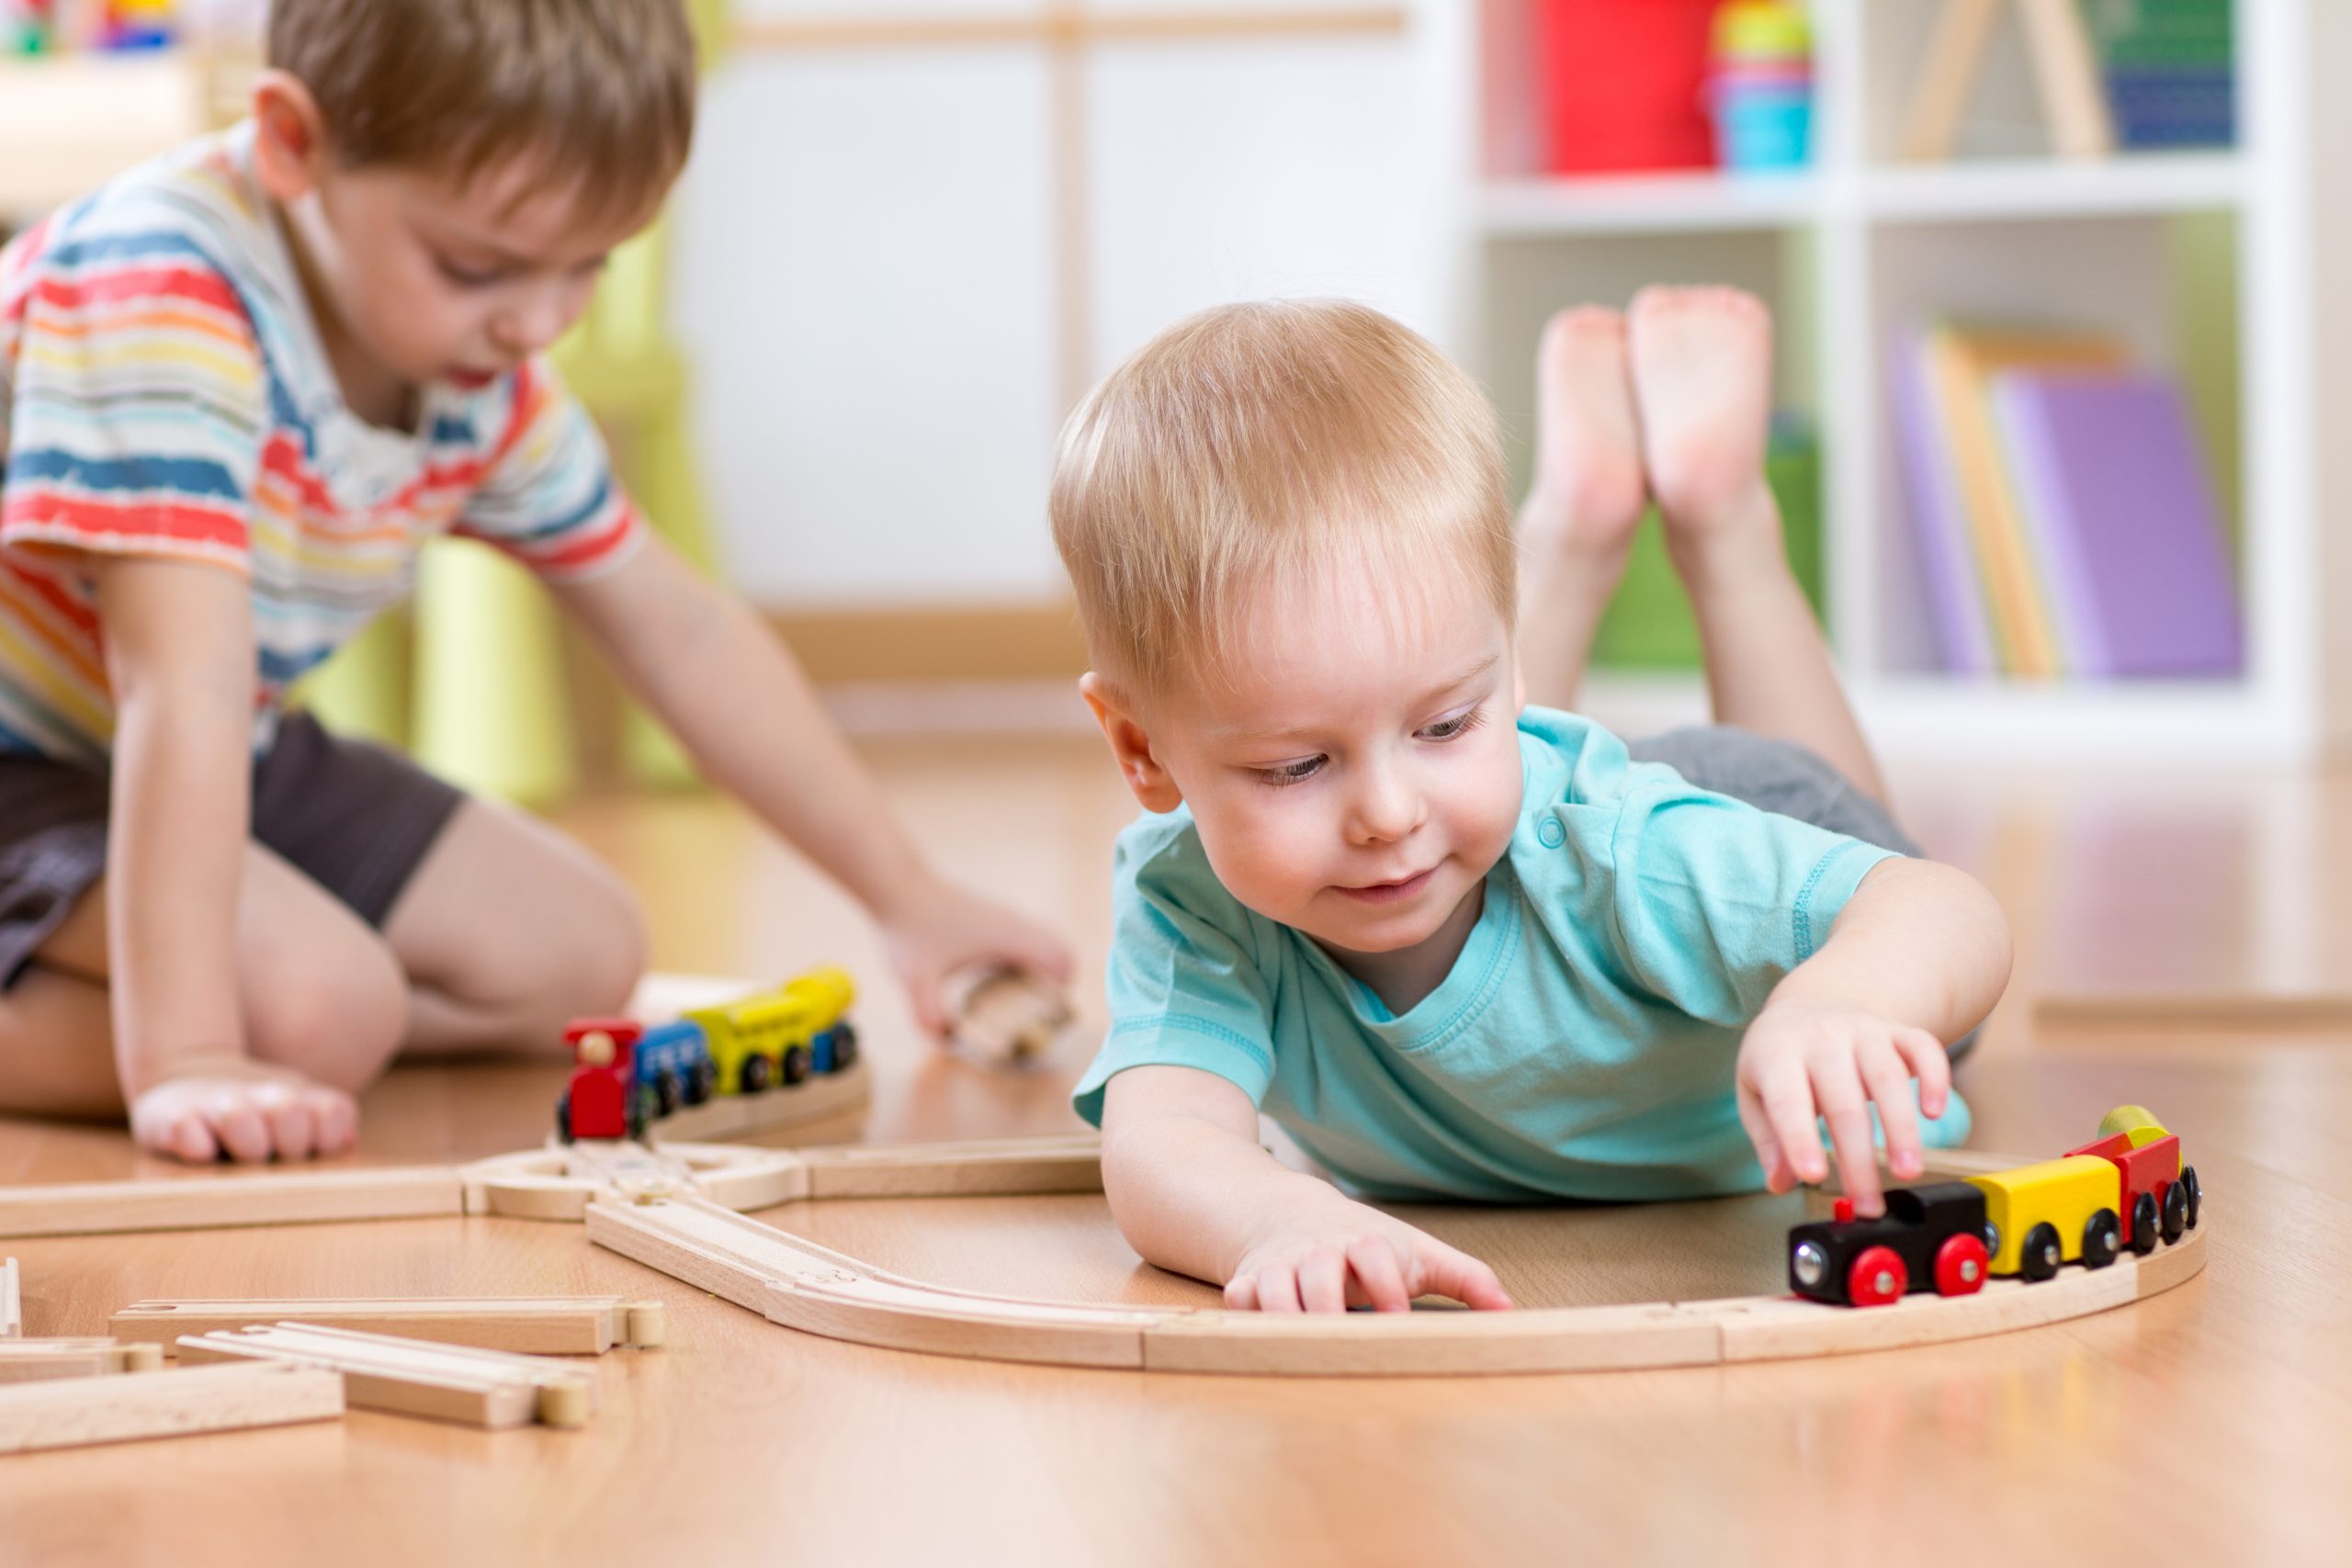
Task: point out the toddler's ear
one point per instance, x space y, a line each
289 136
1147 780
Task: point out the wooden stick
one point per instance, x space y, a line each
415 1377
2067 71
12 1302
203 1202
75 1411
1061 1163
1947 74
540 1326
36 1360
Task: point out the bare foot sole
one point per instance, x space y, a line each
1588 494
1702 380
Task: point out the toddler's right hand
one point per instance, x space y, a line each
244 1109
1355 1255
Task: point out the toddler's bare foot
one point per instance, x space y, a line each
1588 494
1702 380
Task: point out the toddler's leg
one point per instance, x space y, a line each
508 930
1701 366
1579 516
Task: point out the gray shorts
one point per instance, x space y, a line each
1784 778
355 818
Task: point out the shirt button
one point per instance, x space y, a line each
1549 834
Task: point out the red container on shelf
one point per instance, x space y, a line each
1621 83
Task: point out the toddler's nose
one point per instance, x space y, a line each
1385 809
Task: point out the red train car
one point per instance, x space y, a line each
2155 1197
603 1099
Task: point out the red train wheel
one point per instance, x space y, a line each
1961 1265
1877 1278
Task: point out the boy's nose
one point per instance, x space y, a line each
1385 809
530 328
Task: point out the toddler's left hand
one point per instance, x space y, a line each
948 929
1802 1063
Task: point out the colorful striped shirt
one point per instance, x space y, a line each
164 392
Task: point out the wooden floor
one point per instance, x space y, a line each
2212 1425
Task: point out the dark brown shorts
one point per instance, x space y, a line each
353 818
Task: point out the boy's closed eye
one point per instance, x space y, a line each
1451 727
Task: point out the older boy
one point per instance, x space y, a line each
239 388
1458 947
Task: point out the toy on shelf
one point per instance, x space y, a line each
1759 86
2065 74
630 1076
2128 1188
1620 83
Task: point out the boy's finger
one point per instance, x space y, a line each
1277 1289
1323 1281
241 1132
1789 1105
1932 1063
291 1130
191 1140
1373 1263
336 1121
1837 1089
1457 1274
1241 1293
1888 1079
1776 1176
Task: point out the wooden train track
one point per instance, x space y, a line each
674 1209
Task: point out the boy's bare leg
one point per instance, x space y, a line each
1703 379
506 930
1578 519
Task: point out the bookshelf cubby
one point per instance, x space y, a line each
2201 260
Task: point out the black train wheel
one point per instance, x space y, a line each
796 1062
563 1117
2039 1256
2196 1194
2176 1210
845 1049
2143 1223
754 1075
2102 1239
666 1092
701 1081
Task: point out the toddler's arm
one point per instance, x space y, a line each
180 662
1918 957
740 705
1195 1193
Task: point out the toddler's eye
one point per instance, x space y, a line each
1290 772
467 277
1447 729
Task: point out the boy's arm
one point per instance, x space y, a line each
179 660
737 700
1194 1192
1918 957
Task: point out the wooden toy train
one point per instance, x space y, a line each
2128 1188
628 1075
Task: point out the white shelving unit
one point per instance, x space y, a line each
1856 250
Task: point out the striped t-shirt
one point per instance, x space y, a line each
164 392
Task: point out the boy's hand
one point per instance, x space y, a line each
1347 1255
1802 1062
946 929
249 1111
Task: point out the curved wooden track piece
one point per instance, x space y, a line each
802 1285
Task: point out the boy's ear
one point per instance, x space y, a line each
1147 780
289 136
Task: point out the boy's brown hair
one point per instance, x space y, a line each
602 90
1264 445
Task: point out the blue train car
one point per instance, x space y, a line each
673 1061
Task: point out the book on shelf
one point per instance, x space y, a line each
2066 521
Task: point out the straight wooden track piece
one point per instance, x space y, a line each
204 1203
1059 1163
415 1377
12 1302
1442 1343
823 1100
38 1360
72 1412
536 1326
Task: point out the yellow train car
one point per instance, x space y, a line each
739 1066
2061 1210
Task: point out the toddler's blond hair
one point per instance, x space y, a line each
1265 445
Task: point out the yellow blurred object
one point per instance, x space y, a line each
2134 1121
2063 1193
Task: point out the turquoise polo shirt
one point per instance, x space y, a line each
1583 1044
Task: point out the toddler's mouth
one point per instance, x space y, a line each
1390 892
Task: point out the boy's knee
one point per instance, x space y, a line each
340 1021
607 954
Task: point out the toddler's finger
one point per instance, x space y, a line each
240 1129
1241 1293
1932 1063
1837 1089
1457 1274
187 1137
291 1130
1277 1289
1778 1177
1373 1263
1788 1103
1323 1281
1888 1079
336 1120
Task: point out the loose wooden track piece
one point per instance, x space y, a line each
203 1202
72 1412
1002 1017
38 1360
415 1377
559 1181
12 1302
1061 1163
538 1326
